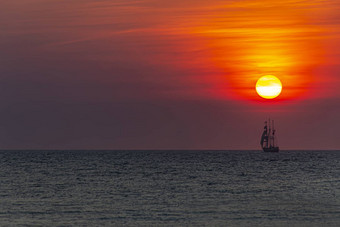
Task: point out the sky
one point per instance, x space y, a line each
156 74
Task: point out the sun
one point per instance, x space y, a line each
268 87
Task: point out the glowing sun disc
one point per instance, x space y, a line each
268 87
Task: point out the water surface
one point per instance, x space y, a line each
167 188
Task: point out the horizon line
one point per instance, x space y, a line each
282 150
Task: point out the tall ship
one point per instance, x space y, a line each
268 138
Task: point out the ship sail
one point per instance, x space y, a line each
264 136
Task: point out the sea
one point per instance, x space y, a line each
169 188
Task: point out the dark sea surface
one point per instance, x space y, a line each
169 188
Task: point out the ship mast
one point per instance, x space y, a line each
269 135
273 134
266 136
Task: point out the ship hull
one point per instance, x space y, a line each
271 149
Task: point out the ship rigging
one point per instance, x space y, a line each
268 138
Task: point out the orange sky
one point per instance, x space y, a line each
83 55
236 42
249 39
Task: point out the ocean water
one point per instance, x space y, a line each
169 188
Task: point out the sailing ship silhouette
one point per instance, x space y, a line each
268 138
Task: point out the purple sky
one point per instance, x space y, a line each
156 74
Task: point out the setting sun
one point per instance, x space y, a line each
268 87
